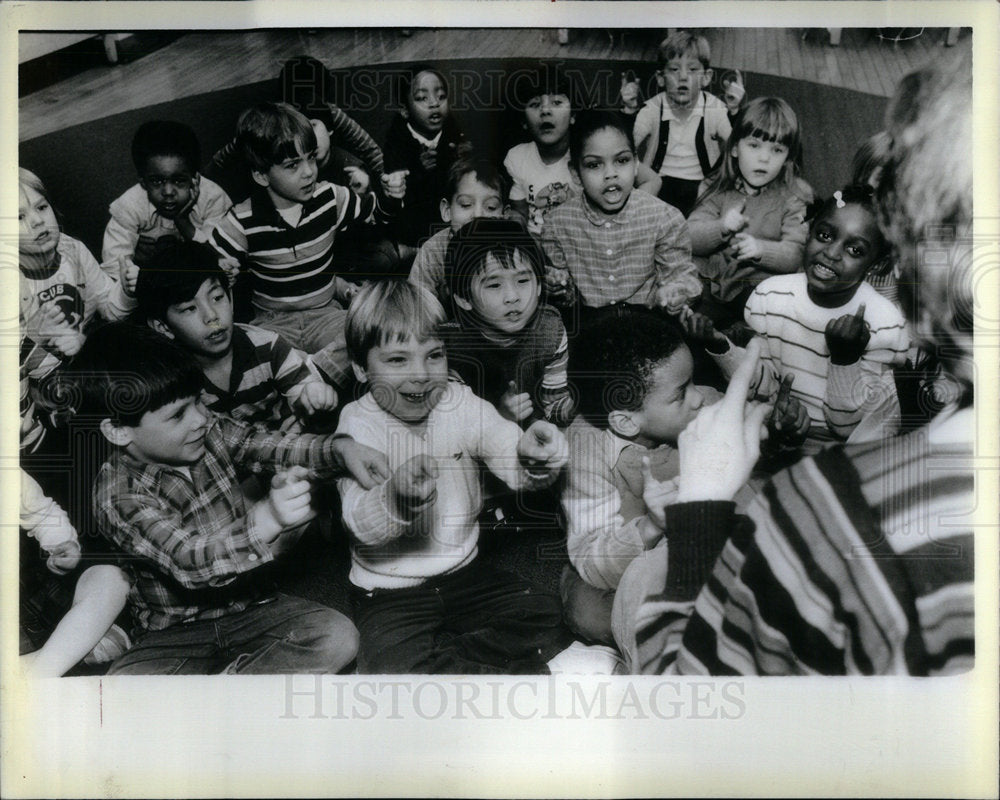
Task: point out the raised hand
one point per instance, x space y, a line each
700 328
290 498
788 422
719 448
128 274
733 220
515 405
413 486
394 184
542 450
357 179
629 92
656 495
316 396
847 337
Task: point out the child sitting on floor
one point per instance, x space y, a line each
169 498
612 246
424 140
251 374
507 346
750 220
475 188
424 601
827 327
170 200
282 236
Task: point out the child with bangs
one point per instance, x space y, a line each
283 234
750 220
506 344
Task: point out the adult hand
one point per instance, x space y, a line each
847 337
719 448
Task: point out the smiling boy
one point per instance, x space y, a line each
168 497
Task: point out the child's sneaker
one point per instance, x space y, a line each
587 659
112 645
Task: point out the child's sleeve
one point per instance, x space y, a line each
672 257
705 225
554 396
785 255
291 369
144 524
366 512
213 203
493 439
866 390
42 517
518 189
428 270
350 136
230 242
254 448
356 211
120 234
600 542
106 294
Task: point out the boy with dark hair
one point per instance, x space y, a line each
475 188
681 132
635 396
283 234
251 374
169 498
171 199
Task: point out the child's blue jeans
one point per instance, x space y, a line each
283 634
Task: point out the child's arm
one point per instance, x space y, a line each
779 256
205 210
677 280
765 382
298 380
712 226
44 520
600 542
402 506
350 136
858 386
559 285
120 234
230 241
554 396
106 295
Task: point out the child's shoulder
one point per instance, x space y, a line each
777 286
877 307
134 199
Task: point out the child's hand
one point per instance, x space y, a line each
746 248
128 274
733 95
144 249
671 297
428 158
195 192
316 396
413 487
345 290
655 494
367 466
542 450
788 423
322 140
629 92
536 221
56 330
733 220
64 557
719 448
357 179
558 284
701 329
394 184
290 498
847 337
515 405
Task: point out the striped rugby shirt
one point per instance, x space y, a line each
291 267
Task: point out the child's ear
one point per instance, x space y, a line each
624 423
160 327
119 435
462 303
445 210
359 373
260 178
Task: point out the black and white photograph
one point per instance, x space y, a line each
500 399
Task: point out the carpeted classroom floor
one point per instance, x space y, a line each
87 166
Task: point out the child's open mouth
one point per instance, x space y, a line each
823 273
218 336
612 194
414 397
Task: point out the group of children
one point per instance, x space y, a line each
551 331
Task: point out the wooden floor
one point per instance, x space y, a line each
201 62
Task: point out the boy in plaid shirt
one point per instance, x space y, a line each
169 498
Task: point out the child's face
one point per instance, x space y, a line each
760 162
168 181
173 434
38 232
427 104
607 169
203 324
505 298
472 199
408 378
548 118
842 246
671 402
293 181
683 79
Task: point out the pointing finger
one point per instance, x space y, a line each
860 313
